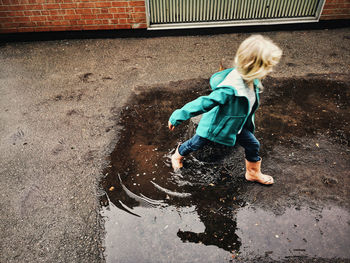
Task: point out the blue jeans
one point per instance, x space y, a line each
246 139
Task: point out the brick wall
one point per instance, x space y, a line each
336 9
63 15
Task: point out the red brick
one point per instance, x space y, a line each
96 11
5 19
104 10
106 27
55 23
68 6
337 6
78 27
136 3
138 15
105 16
136 20
69 12
83 11
54 18
335 11
26 24
14 13
36 1
122 21
41 23
94 22
57 12
5 13
88 17
21 19
13 8
26 29
65 22
6 2
86 5
45 12
139 9
18 2
33 7
121 15
42 29
119 4
331 17
72 17
32 13
57 28
37 18
9 25
89 22
90 27
81 22
119 10
103 4
123 26
52 6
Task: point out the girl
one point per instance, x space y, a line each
229 109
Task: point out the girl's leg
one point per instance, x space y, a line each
250 144
191 145
253 161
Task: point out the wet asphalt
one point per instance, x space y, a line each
59 104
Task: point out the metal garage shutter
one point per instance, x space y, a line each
207 13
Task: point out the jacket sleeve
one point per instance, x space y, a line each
198 106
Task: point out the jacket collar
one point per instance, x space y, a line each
217 81
234 81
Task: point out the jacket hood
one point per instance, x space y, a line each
230 78
218 77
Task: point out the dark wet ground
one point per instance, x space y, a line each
208 212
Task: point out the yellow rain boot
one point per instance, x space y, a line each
176 160
253 173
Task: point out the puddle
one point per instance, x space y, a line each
180 234
301 232
208 211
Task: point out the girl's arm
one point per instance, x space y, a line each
198 106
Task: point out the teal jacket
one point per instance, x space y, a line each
225 109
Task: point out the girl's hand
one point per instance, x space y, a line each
171 127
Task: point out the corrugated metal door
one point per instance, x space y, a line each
208 13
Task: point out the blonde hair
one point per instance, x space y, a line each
255 57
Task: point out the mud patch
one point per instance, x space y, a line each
303 126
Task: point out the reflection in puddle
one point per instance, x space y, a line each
295 233
174 234
208 212
154 236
